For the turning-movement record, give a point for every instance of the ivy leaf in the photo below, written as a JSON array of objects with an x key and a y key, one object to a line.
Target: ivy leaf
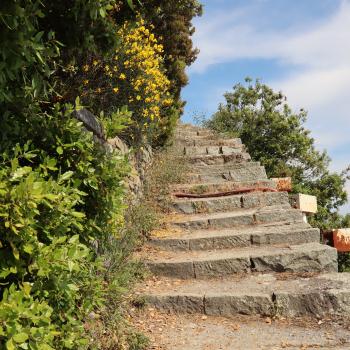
[
  {"x": 10, "y": 345},
  {"x": 15, "y": 251},
  {"x": 102, "y": 12},
  {"x": 20, "y": 337},
  {"x": 20, "y": 172},
  {"x": 64, "y": 177}
]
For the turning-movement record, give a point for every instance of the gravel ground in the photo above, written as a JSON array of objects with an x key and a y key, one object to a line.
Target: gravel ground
[{"x": 198, "y": 332}]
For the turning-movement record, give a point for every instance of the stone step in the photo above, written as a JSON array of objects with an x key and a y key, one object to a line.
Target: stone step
[
  {"x": 214, "y": 169},
  {"x": 228, "y": 174},
  {"x": 235, "y": 238},
  {"x": 211, "y": 150},
  {"x": 239, "y": 217},
  {"x": 187, "y": 126},
  {"x": 269, "y": 295},
  {"x": 207, "y": 141},
  {"x": 309, "y": 257},
  {"x": 224, "y": 187},
  {"x": 229, "y": 203},
  {"x": 246, "y": 171},
  {"x": 219, "y": 159},
  {"x": 188, "y": 133}
]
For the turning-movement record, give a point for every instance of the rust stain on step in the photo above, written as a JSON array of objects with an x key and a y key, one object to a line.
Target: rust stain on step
[{"x": 225, "y": 193}]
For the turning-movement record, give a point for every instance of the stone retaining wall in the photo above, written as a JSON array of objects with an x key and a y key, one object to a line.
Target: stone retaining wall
[{"x": 139, "y": 161}]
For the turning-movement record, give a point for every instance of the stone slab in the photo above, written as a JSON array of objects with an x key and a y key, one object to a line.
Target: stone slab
[
  {"x": 304, "y": 202},
  {"x": 206, "y": 189},
  {"x": 90, "y": 122},
  {"x": 220, "y": 159},
  {"x": 229, "y": 203},
  {"x": 310, "y": 257},
  {"x": 318, "y": 295},
  {"x": 235, "y": 218},
  {"x": 236, "y": 238}
]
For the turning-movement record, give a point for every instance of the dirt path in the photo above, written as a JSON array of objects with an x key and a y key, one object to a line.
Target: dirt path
[{"x": 198, "y": 332}]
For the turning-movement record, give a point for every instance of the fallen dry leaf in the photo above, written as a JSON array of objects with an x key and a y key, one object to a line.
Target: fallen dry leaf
[
  {"x": 236, "y": 327},
  {"x": 268, "y": 320}
]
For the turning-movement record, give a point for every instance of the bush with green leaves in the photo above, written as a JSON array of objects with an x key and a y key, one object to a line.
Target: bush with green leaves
[
  {"x": 56, "y": 203},
  {"x": 277, "y": 137}
]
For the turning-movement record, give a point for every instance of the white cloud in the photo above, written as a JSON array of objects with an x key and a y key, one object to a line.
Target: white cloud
[
  {"x": 318, "y": 87},
  {"x": 234, "y": 34},
  {"x": 325, "y": 94}
]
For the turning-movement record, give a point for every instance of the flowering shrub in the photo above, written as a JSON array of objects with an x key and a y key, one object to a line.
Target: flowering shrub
[{"x": 133, "y": 76}]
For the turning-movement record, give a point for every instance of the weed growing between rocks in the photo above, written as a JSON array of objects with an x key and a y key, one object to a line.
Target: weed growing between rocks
[{"x": 168, "y": 168}]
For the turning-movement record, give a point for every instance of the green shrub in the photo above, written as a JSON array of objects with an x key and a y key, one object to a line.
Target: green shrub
[
  {"x": 60, "y": 194},
  {"x": 25, "y": 321}
]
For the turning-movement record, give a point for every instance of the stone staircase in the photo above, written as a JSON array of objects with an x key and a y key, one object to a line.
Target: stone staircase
[{"x": 229, "y": 250}]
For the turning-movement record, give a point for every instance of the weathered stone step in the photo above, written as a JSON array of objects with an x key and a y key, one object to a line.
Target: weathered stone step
[
  {"x": 309, "y": 257},
  {"x": 239, "y": 217},
  {"x": 219, "y": 159},
  {"x": 224, "y": 187},
  {"x": 228, "y": 174},
  {"x": 187, "y": 126},
  {"x": 229, "y": 203},
  {"x": 247, "y": 171},
  {"x": 236, "y": 238},
  {"x": 207, "y": 141},
  {"x": 213, "y": 169},
  {"x": 188, "y": 133},
  {"x": 211, "y": 150},
  {"x": 319, "y": 296}
]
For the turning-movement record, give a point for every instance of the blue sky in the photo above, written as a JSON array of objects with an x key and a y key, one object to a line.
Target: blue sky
[{"x": 301, "y": 47}]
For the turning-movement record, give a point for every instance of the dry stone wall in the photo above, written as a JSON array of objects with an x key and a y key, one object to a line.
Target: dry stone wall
[{"x": 139, "y": 161}]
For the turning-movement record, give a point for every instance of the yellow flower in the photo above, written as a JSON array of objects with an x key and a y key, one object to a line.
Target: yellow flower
[
  {"x": 107, "y": 68},
  {"x": 98, "y": 90},
  {"x": 95, "y": 62},
  {"x": 141, "y": 59},
  {"x": 86, "y": 67},
  {"x": 86, "y": 81}
]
